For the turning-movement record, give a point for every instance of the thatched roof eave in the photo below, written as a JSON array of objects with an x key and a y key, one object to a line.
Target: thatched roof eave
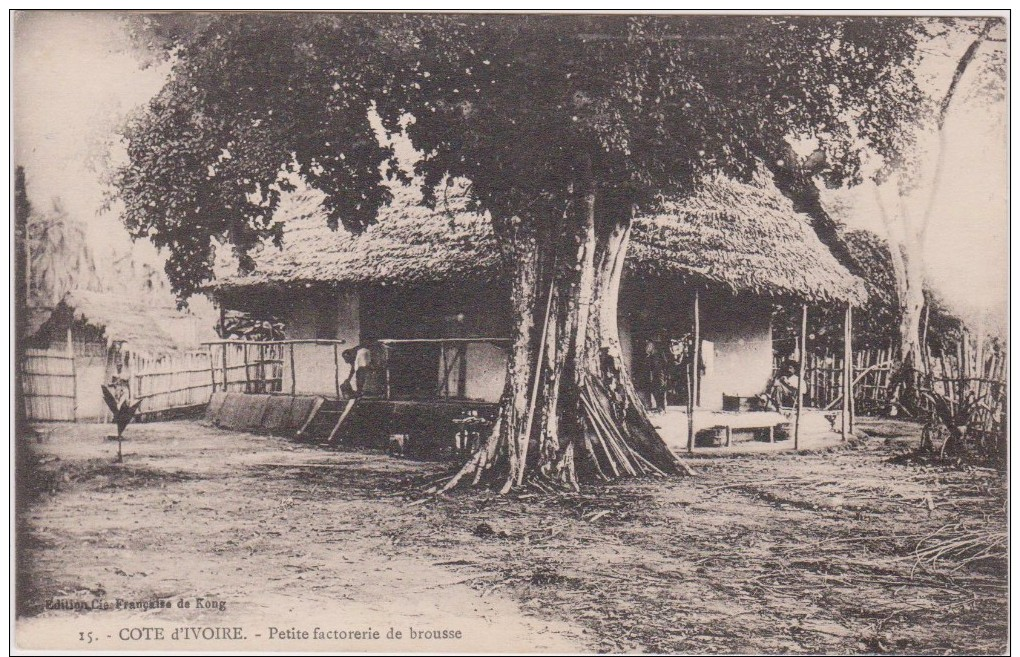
[{"x": 745, "y": 237}]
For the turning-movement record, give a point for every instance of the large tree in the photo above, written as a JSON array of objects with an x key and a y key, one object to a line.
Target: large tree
[{"x": 565, "y": 126}]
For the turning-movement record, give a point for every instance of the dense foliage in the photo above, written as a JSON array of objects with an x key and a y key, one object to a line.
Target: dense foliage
[{"x": 513, "y": 103}]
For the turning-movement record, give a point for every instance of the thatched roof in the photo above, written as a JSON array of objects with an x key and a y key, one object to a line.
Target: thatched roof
[
  {"x": 746, "y": 237},
  {"x": 870, "y": 253},
  {"x": 143, "y": 325},
  {"x": 410, "y": 244}
]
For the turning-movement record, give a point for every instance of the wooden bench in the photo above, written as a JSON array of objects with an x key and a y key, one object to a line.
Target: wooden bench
[{"x": 727, "y": 422}]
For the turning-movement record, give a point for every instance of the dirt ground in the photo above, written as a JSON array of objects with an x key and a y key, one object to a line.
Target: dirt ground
[{"x": 848, "y": 551}]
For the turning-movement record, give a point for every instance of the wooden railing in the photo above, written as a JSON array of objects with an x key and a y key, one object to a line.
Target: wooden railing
[
  {"x": 277, "y": 366},
  {"x": 418, "y": 368}
]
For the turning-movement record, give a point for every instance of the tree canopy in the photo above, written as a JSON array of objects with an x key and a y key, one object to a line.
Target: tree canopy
[{"x": 513, "y": 103}]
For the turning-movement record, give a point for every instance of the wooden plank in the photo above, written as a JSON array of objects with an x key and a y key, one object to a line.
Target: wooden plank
[
  {"x": 316, "y": 405},
  {"x": 323, "y": 341},
  {"x": 440, "y": 340}
]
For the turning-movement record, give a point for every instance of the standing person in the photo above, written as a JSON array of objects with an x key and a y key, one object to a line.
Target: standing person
[
  {"x": 682, "y": 352},
  {"x": 359, "y": 359},
  {"x": 656, "y": 367}
]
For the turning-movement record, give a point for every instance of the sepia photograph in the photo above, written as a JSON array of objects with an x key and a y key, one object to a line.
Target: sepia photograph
[{"x": 479, "y": 332}]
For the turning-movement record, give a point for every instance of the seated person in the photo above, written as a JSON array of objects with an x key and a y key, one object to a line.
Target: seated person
[{"x": 782, "y": 389}]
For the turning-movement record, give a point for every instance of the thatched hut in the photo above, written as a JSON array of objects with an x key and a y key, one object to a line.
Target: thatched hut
[
  {"x": 100, "y": 319},
  {"x": 423, "y": 274},
  {"x": 88, "y": 339}
]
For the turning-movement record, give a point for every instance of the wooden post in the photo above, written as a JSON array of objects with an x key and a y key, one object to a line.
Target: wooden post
[
  {"x": 386, "y": 351},
  {"x": 852, "y": 403},
  {"x": 444, "y": 385},
  {"x": 336, "y": 367},
  {"x": 696, "y": 357},
  {"x": 212, "y": 369},
  {"x": 693, "y": 384},
  {"x": 979, "y": 356},
  {"x": 462, "y": 371},
  {"x": 260, "y": 369},
  {"x": 224, "y": 359},
  {"x": 223, "y": 322},
  {"x": 74, "y": 373},
  {"x": 848, "y": 372},
  {"x": 800, "y": 376},
  {"x": 690, "y": 413},
  {"x": 293, "y": 372},
  {"x": 247, "y": 373}
]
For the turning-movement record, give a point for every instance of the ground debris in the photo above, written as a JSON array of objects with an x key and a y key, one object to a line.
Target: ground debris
[{"x": 841, "y": 552}]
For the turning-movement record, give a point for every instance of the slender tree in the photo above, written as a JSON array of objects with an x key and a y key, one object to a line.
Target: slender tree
[
  {"x": 61, "y": 259},
  {"x": 565, "y": 126},
  {"x": 906, "y": 189}
]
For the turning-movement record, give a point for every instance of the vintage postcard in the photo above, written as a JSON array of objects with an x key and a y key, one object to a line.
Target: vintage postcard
[{"x": 519, "y": 332}]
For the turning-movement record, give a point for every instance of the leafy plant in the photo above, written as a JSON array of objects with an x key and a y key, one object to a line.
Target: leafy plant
[{"x": 245, "y": 326}]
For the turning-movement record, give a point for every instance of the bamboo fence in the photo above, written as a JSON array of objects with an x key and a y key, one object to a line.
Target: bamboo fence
[
  {"x": 969, "y": 372},
  {"x": 976, "y": 375}
]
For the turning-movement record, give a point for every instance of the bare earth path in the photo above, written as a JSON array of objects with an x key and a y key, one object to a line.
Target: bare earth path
[{"x": 777, "y": 553}]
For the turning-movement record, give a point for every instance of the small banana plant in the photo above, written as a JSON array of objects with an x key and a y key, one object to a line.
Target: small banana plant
[{"x": 123, "y": 412}]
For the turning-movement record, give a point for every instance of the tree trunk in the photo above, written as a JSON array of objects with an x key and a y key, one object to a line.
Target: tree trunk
[
  {"x": 907, "y": 238},
  {"x": 576, "y": 417},
  {"x": 908, "y": 270},
  {"x": 906, "y": 251},
  {"x": 500, "y": 461}
]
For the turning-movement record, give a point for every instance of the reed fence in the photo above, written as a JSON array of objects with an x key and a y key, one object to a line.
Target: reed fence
[
  {"x": 48, "y": 385},
  {"x": 64, "y": 385},
  {"x": 170, "y": 383}
]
